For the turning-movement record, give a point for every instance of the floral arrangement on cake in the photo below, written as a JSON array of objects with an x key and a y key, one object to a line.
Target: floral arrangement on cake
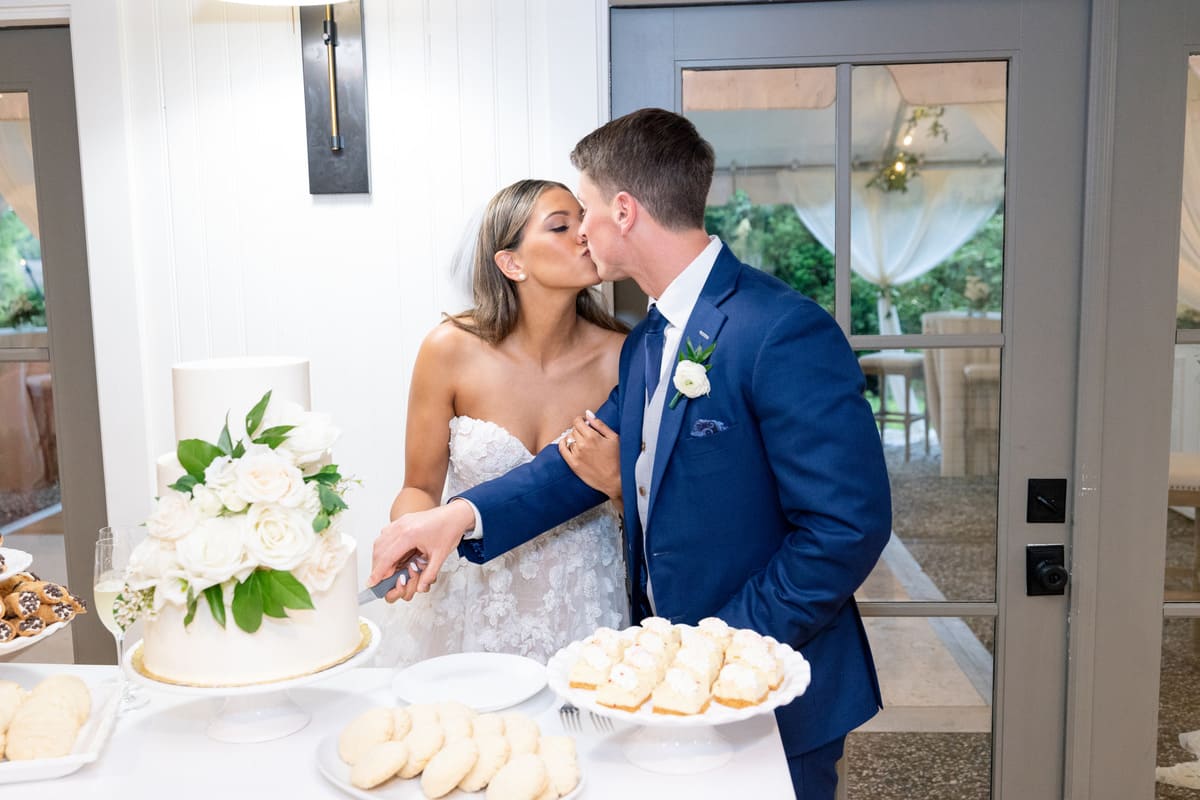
[{"x": 256, "y": 521}]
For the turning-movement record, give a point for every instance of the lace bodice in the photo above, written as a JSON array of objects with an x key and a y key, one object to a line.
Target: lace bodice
[{"x": 532, "y": 600}]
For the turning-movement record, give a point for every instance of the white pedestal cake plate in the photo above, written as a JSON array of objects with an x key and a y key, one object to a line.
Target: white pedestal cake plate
[
  {"x": 676, "y": 745},
  {"x": 260, "y": 712}
]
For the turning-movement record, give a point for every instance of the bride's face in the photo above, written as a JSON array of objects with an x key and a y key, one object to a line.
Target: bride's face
[{"x": 552, "y": 253}]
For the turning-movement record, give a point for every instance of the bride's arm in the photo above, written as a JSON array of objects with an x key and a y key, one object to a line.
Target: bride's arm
[{"x": 430, "y": 408}]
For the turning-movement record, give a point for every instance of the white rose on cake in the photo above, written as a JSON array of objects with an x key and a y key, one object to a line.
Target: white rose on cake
[
  {"x": 150, "y": 561},
  {"x": 207, "y": 502},
  {"x": 215, "y": 552},
  {"x": 173, "y": 516},
  {"x": 323, "y": 566},
  {"x": 278, "y": 537},
  {"x": 311, "y": 436},
  {"x": 264, "y": 476},
  {"x": 221, "y": 477}
]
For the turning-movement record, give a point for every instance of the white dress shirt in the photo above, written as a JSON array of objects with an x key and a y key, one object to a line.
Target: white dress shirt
[{"x": 675, "y": 304}]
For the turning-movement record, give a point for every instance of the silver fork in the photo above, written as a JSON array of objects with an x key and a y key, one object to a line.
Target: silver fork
[
  {"x": 603, "y": 724},
  {"x": 569, "y": 715}
]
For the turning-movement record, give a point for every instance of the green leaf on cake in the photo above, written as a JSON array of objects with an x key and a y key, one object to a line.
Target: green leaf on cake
[
  {"x": 224, "y": 442},
  {"x": 195, "y": 455},
  {"x": 330, "y": 502},
  {"x": 328, "y": 475},
  {"x": 184, "y": 484},
  {"x": 272, "y": 604},
  {"x": 320, "y": 522},
  {"x": 216, "y": 603},
  {"x": 273, "y": 437},
  {"x": 287, "y": 589},
  {"x": 191, "y": 607},
  {"x": 248, "y": 604},
  {"x": 255, "y": 417},
  {"x": 239, "y": 450}
]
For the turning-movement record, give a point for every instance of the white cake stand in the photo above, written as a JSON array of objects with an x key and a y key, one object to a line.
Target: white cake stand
[
  {"x": 260, "y": 712},
  {"x": 675, "y": 745}
]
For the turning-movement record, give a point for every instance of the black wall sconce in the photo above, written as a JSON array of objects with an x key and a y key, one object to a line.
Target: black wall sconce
[{"x": 335, "y": 96}]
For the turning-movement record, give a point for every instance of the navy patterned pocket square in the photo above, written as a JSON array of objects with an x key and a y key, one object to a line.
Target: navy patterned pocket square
[{"x": 707, "y": 427}]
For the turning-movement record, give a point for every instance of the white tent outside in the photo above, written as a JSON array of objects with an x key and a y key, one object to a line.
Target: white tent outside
[{"x": 773, "y": 131}]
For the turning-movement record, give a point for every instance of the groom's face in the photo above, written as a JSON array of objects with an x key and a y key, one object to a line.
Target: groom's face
[{"x": 600, "y": 230}]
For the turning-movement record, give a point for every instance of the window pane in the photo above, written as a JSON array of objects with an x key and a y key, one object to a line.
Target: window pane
[
  {"x": 933, "y": 738},
  {"x": 927, "y": 192},
  {"x": 773, "y": 134},
  {"x": 1188, "y": 308},
  {"x": 22, "y": 302},
  {"x": 942, "y": 457}
]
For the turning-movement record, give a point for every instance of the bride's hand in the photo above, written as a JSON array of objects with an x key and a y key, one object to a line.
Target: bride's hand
[
  {"x": 593, "y": 452},
  {"x": 431, "y": 535}
]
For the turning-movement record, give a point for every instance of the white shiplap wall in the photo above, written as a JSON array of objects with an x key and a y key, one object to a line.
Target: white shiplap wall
[{"x": 203, "y": 240}]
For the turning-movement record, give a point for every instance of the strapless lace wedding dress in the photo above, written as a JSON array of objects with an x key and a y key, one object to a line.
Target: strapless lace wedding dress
[{"x": 531, "y": 601}]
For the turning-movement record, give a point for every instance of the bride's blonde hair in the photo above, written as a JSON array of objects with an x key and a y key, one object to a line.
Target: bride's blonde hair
[{"x": 496, "y": 304}]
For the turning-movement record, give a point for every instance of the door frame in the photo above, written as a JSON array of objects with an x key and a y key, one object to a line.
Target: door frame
[
  {"x": 37, "y": 60},
  {"x": 1029, "y": 705}
]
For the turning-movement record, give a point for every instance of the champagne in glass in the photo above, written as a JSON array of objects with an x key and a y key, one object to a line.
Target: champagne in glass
[{"x": 113, "y": 548}]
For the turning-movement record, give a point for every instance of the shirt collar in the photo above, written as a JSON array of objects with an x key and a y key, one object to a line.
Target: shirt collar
[{"x": 680, "y": 296}]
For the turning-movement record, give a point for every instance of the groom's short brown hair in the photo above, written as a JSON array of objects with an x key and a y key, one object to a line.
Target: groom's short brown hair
[{"x": 658, "y": 157}]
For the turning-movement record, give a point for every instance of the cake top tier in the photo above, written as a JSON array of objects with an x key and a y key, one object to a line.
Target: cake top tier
[{"x": 206, "y": 391}]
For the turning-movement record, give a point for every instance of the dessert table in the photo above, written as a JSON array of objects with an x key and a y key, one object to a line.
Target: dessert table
[{"x": 161, "y": 750}]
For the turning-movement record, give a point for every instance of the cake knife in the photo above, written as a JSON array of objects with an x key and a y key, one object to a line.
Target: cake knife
[{"x": 380, "y": 589}]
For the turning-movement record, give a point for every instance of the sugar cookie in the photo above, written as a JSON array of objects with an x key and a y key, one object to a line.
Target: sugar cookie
[
  {"x": 11, "y": 695},
  {"x": 424, "y": 740},
  {"x": 423, "y": 712},
  {"x": 522, "y": 778},
  {"x": 378, "y": 764},
  {"x": 364, "y": 732},
  {"x": 488, "y": 723},
  {"x": 72, "y": 689},
  {"x": 401, "y": 722},
  {"x": 522, "y": 733},
  {"x": 40, "y": 730},
  {"x": 562, "y": 764},
  {"x": 493, "y": 754},
  {"x": 451, "y": 764}
]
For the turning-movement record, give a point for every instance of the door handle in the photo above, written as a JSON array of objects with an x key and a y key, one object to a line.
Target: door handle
[{"x": 1045, "y": 570}]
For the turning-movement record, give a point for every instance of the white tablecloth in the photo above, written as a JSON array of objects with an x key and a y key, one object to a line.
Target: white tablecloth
[
  {"x": 945, "y": 389},
  {"x": 161, "y": 752}
]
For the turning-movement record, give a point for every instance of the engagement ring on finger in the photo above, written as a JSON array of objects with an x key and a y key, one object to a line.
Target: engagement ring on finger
[{"x": 570, "y": 442}]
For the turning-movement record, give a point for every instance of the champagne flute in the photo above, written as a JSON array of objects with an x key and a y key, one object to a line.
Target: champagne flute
[{"x": 113, "y": 547}]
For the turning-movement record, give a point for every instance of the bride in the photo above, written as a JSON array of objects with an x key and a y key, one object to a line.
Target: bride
[{"x": 490, "y": 388}]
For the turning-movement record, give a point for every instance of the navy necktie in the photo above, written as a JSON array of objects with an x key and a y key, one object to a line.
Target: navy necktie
[{"x": 656, "y": 323}]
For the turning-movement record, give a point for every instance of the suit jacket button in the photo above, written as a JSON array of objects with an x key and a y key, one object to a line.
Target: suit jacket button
[{"x": 642, "y": 491}]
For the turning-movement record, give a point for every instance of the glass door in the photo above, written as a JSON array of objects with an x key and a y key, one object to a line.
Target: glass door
[
  {"x": 889, "y": 161},
  {"x": 51, "y": 477}
]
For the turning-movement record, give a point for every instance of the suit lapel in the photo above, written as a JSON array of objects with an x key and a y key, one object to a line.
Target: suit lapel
[{"x": 702, "y": 328}]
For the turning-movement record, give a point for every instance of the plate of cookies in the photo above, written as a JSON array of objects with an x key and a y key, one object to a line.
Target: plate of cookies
[
  {"x": 53, "y": 728},
  {"x": 433, "y": 750},
  {"x": 665, "y": 675},
  {"x": 32, "y": 609}
]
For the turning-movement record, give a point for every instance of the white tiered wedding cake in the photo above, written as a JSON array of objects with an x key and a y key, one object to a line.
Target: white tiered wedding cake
[{"x": 245, "y": 576}]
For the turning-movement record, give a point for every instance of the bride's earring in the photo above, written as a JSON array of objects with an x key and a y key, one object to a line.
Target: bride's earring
[{"x": 520, "y": 276}]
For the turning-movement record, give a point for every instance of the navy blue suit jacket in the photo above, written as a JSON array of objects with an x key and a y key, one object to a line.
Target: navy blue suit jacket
[{"x": 770, "y": 501}]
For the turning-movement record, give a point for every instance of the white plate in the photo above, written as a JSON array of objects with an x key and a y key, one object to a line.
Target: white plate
[
  {"x": 95, "y": 732},
  {"x": 21, "y": 642},
  {"x": 337, "y": 772},
  {"x": 483, "y": 681},
  {"x": 14, "y": 561},
  {"x": 796, "y": 675}
]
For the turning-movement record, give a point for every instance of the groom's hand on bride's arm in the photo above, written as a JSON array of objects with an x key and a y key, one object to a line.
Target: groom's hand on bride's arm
[{"x": 431, "y": 534}]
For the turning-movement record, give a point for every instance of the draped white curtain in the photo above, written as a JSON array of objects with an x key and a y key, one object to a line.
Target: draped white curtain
[
  {"x": 16, "y": 171},
  {"x": 896, "y": 237}
]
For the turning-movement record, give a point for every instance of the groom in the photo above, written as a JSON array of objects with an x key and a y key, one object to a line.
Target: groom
[{"x": 756, "y": 492}]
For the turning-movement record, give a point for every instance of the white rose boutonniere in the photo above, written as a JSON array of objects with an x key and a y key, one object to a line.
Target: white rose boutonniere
[{"x": 691, "y": 373}]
